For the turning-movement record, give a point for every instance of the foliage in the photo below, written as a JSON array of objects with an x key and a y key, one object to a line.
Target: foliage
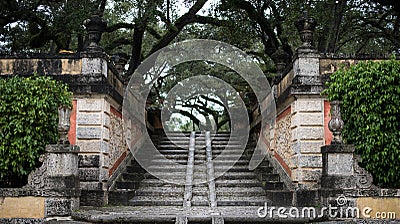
[
  {"x": 370, "y": 95},
  {"x": 28, "y": 121}
]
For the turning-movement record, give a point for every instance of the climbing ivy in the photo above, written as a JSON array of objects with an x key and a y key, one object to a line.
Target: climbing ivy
[
  {"x": 370, "y": 108},
  {"x": 28, "y": 121}
]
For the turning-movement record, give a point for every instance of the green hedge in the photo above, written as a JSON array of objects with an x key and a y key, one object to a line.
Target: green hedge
[
  {"x": 370, "y": 95},
  {"x": 28, "y": 121}
]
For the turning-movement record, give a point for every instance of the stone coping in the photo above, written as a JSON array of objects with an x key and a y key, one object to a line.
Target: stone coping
[
  {"x": 28, "y": 191},
  {"x": 337, "y": 148},
  {"x": 40, "y": 56},
  {"x": 62, "y": 148}
]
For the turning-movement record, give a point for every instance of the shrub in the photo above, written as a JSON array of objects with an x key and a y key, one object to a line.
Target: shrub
[
  {"x": 28, "y": 121},
  {"x": 370, "y": 96}
]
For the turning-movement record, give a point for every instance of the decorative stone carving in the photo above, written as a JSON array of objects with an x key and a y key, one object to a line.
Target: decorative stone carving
[
  {"x": 336, "y": 123},
  {"x": 306, "y": 26},
  {"x": 36, "y": 179},
  {"x": 95, "y": 27},
  {"x": 363, "y": 178},
  {"x": 64, "y": 113}
]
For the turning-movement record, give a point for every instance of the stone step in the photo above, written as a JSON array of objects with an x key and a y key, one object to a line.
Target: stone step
[
  {"x": 156, "y": 201},
  {"x": 240, "y": 191},
  {"x": 162, "y": 191},
  {"x": 269, "y": 177},
  {"x": 165, "y": 168},
  {"x": 241, "y": 201},
  {"x": 173, "y": 151},
  {"x": 171, "y": 157},
  {"x": 155, "y": 183},
  {"x": 237, "y": 183},
  {"x": 273, "y": 185},
  {"x": 280, "y": 197},
  {"x": 128, "y": 184},
  {"x": 200, "y": 200},
  {"x": 236, "y": 175}
]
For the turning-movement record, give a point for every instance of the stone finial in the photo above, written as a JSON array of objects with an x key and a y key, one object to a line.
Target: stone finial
[
  {"x": 95, "y": 26},
  {"x": 335, "y": 125},
  {"x": 306, "y": 26},
  {"x": 280, "y": 58},
  {"x": 64, "y": 113},
  {"x": 120, "y": 60}
]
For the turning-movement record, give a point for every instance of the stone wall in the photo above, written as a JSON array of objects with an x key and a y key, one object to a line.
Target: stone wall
[{"x": 96, "y": 120}]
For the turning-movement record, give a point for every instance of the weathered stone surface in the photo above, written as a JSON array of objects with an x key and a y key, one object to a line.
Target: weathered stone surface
[
  {"x": 22, "y": 207},
  {"x": 93, "y": 105},
  {"x": 106, "y": 134},
  {"x": 301, "y": 174},
  {"x": 340, "y": 164},
  {"x": 310, "y": 161},
  {"x": 89, "y": 174},
  {"x": 84, "y": 118},
  {"x": 94, "y": 66},
  {"x": 307, "y": 105},
  {"x": 57, "y": 207},
  {"x": 91, "y": 185},
  {"x": 93, "y": 198},
  {"x": 90, "y": 145},
  {"x": 89, "y": 160},
  {"x": 88, "y": 132},
  {"x": 307, "y": 146},
  {"x": 306, "y": 64},
  {"x": 106, "y": 120},
  {"x": 308, "y": 133},
  {"x": 307, "y": 119}
]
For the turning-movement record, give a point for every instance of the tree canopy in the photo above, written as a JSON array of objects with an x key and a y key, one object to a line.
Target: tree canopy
[{"x": 262, "y": 28}]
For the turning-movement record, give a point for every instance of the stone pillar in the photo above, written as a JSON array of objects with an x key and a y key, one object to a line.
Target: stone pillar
[
  {"x": 337, "y": 167},
  {"x": 93, "y": 135},
  {"x": 299, "y": 129},
  {"x": 58, "y": 180}
]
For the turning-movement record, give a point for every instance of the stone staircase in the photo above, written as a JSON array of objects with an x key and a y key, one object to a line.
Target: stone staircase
[{"x": 202, "y": 198}]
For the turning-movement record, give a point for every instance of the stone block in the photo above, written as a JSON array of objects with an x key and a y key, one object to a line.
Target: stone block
[
  {"x": 307, "y": 119},
  {"x": 89, "y": 160},
  {"x": 307, "y": 105},
  {"x": 84, "y": 118},
  {"x": 93, "y": 198},
  {"x": 105, "y": 161},
  {"x": 340, "y": 164},
  {"x": 388, "y": 208},
  {"x": 106, "y": 120},
  {"x": 306, "y": 64},
  {"x": 57, "y": 207},
  {"x": 88, "y": 132},
  {"x": 106, "y": 134},
  {"x": 91, "y": 185},
  {"x": 307, "y": 146},
  {"x": 105, "y": 147},
  {"x": 22, "y": 207},
  {"x": 92, "y": 105},
  {"x": 103, "y": 174},
  {"x": 92, "y": 66},
  {"x": 310, "y": 161},
  {"x": 89, "y": 145},
  {"x": 89, "y": 174},
  {"x": 306, "y": 174},
  {"x": 308, "y": 133}
]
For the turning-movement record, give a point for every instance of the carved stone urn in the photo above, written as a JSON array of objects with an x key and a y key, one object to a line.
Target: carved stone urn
[
  {"x": 64, "y": 113},
  {"x": 336, "y": 123},
  {"x": 306, "y": 26}
]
